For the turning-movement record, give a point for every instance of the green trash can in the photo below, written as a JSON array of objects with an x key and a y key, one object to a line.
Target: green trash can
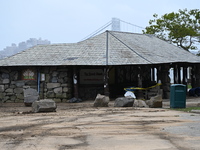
[{"x": 178, "y": 96}]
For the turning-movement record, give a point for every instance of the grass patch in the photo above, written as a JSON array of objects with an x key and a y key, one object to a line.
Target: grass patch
[
  {"x": 189, "y": 86},
  {"x": 186, "y": 109}
]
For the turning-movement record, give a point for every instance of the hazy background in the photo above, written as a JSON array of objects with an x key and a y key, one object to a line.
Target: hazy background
[{"x": 67, "y": 21}]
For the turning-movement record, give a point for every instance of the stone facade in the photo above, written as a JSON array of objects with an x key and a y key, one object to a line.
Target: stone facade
[
  {"x": 165, "y": 80},
  {"x": 57, "y": 84}
]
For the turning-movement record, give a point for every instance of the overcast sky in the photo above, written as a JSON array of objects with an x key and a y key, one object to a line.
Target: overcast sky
[{"x": 68, "y": 21}]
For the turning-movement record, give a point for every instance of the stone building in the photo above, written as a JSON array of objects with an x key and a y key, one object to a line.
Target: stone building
[{"x": 106, "y": 64}]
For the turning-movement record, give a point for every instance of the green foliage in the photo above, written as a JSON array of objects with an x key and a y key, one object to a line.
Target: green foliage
[
  {"x": 186, "y": 109},
  {"x": 181, "y": 28}
]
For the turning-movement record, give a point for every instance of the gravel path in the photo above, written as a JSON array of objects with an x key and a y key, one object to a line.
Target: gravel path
[{"x": 82, "y": 127}]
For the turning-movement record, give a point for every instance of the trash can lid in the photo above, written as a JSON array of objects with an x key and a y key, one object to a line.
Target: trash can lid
[{"x": 178, "y": 85}]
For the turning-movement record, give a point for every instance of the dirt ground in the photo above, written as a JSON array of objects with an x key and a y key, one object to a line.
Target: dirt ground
[{"x": 80, "y": 126}]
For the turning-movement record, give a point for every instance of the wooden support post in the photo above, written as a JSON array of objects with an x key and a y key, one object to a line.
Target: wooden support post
[
  {"x": 193, "y": 78},
  {"x": 185, "y": 75},
  {"x": 106, "y": 85},
  {"x": 179, "y": 75},
  {"x": 158, "y": 73},
  {"x": 140, "y": 94},
  {"x": 175, "y": 75},
  {"x": 152, "y": 74},
  {"x": 75, "y": 82}
]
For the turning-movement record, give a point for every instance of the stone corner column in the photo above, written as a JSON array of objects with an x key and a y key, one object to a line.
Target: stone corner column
[{"x": 165, "y": 80}]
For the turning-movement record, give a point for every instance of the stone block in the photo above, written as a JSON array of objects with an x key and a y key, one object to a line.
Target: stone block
[
  {"x": 2, "y": 95},
  {"x": 2, "y": 88},
  {"x": 10, "y": 94},
  {"x": 14, "y": 75},
  {"x": 44, "y": 105},
  {"x": 18, "y": 90},
  {"x": 12, "y": 86},
  {"x": 65, "y": 89},
  {"x": 5, "y": 81},
  {"x": 53, "y": 85},
  {"x": 54, "y": 79},
  {"x": 6, "y": 98},
  {"x": 64, "y": 95},
  {"x": 30, "y": 95},
  {"x": 67, "y": 80},
  {"x": 101, "y": 101},
  {"x": 30, "y": 92},
  {"x": 5, "y": 76},
  {"x": 55, "y": 73},
  {"x": 64, "y": 85},
  {"x": 59, "y": 95},
  {"x": 9, "y": 90},
  {"x": 63, "y": 74},
  {"x": 13, "y": 98},
  {"x": 50, "y": 94},
  {"x": 155, "y": 102},
  {"x": 13, "y": 82},
  {"x": 47, "y": 77},
  {"x": 20, "y": 96},
  {"x": 140, "y": 103},
  {"x": 60, "y": 80},
  {"x": 19, "y": 83},
  {"x": 6, "y": 86},
  {"x": 58, "y": 90},
  {"x": 124, "y": 102}
]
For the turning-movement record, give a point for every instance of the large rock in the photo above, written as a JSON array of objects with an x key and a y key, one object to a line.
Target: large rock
[
  {"x": 140, "y": 103},
  {"x": 101, "y": 101},
  {"x": 30, "y": 95},
  {"x": 155, "y": 102},
  {"x": 123, "y": 102},
  {"x": 44, "y": 105}
]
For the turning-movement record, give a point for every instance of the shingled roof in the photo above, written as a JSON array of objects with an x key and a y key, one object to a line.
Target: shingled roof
[{"x": 107, "y": 48}]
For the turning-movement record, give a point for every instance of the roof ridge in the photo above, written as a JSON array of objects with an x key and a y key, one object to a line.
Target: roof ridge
[{"x": 129, "y": 47}]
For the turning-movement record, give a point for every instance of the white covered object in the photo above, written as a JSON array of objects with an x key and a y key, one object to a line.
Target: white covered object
[{"x": 129, "y": 94}]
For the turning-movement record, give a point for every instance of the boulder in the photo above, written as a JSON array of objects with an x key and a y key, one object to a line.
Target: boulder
[
  {"x": 140, "y": 103},
  {"x": 101, "y": 101},
  {"x": 124, "y": 102},
  {"x": 155, "y": 102},
  {"x": 30, "y": 95},
  {"x": 44, "y": 105}
]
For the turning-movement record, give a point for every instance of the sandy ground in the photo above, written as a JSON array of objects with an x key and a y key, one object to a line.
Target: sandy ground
[{"x": 80, "y": 126}]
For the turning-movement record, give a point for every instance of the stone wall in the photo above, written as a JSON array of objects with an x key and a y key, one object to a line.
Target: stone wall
[
  {"x": 57, "y": 84},
  {"x": 165, "y": 80}
]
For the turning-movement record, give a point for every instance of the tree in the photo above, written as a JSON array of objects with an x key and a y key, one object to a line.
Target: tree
[{"x": 181, "y": 28}]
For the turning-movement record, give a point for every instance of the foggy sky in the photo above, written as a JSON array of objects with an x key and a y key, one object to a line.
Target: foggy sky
[{"x": 68, "y": 21}]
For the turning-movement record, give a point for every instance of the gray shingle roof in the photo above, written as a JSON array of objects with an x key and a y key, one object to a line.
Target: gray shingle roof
[{"x": 107, "y": 48}]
